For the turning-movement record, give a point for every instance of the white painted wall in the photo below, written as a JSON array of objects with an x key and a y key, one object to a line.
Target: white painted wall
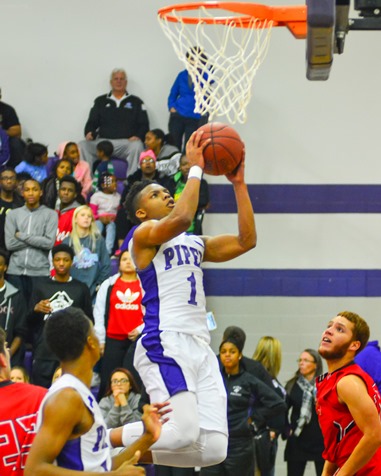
[{"x": 56, "y": 59}]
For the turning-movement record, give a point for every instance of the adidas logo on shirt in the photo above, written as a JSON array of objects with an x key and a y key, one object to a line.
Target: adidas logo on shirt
[{"x": 127, "y": 300}]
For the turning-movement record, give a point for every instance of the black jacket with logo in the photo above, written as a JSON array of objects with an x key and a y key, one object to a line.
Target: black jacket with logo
[
  {"x": 249, "y": 399},
  {"x": 110, "y": 121}
]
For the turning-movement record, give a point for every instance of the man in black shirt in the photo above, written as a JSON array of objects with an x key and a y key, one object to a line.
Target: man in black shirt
[
  {"x": 119, "y": 117},
  {"x": 51, "y": 295}
]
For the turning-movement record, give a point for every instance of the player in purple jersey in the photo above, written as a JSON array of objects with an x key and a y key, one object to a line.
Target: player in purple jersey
[{"x": 173, "y": 356}]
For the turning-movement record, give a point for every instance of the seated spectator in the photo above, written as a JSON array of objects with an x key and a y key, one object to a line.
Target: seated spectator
[
  {"x": 12, "y": 314},
  {"x": 19, "y": 374},
  {"x": 69, "y": 195},
  {"x": 21, "y": 177},
  {"x": 82, "y": 174},
  {"x": 118, "y": 316},
  {"x": 30, "y": 233},
  {"x": 146, "y": 171},
  {"x": 91, "y": 263},
  {"x": 51, "y": 295},
  {"x": 51, "y": 184},
  {"x": 9, "y": 198},
  {"x": 103, "y": 164},
  {"x": 176, "y": 188},
  {"x": 120, "y": 405},
  {"x": 183, "y": 121},
  {"x": 9, "y": 122},
  {"x": 167, "y": 154},
  {"x": 120, "y": 118},
  {"x": 106, "y": 203},
  {"x": 35, "y": 160}
]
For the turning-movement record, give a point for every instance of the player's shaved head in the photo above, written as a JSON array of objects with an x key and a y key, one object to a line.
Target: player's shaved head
[{"x": 66, "y": 333}]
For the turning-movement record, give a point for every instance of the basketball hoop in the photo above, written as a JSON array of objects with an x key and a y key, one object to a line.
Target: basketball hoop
[{"x": 222, "y": 52}]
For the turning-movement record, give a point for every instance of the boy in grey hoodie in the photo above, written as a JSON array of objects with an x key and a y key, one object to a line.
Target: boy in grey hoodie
[{"x": 30, "y": 233}]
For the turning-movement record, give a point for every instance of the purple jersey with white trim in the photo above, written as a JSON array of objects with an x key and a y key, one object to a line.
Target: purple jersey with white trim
[
  {"x": 174, "y": 296},
  {"x": 89, "y": 452}
]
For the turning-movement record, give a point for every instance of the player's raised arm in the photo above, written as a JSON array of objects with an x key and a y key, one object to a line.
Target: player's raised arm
[
  {"x": 161, "y": 219},
  {"x": 226, "y": 247}
]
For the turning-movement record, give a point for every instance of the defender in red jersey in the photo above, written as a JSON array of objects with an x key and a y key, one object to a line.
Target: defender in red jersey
[
  {"x": 348, "y": 402},
  {"x": 18, "y": 411}
]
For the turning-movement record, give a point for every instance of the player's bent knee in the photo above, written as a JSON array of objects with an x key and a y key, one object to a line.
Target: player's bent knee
[
  {"x": 184, "y": 435},
  {"x": 182, "y": 442},
  {"x": 216, "y": 449},
  {"x": 184, "y": 425}
]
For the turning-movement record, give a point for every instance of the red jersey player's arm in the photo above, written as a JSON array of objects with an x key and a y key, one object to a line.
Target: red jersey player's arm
[
  {"x": 329, "y": 469},
  {"x": 353, "y": 393}
]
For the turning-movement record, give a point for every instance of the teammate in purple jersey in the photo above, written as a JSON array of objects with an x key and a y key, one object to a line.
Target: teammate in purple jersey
[{"x": 72, "y": 437}]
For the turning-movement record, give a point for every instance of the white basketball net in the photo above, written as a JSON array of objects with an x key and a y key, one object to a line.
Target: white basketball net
[{"x": 223, "y": 83}]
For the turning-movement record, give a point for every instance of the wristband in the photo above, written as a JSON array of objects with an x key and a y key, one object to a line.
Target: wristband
[{"x": 195, "y": 172}]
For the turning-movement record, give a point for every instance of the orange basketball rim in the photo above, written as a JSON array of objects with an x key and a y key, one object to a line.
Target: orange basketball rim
[{"x": 293, "y": 17}]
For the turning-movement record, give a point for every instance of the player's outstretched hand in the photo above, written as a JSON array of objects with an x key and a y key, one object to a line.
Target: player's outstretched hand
[
  {"x": 153, "y": 418},
  {"x": 128, "y": 468},
  {"x": 238, "y": 174},
  {"x": 194, "y": 149},
  {"x": 163, "y": 409}
]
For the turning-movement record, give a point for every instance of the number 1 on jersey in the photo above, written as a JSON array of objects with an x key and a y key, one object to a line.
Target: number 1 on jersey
[{"x": 192, "y": 299}]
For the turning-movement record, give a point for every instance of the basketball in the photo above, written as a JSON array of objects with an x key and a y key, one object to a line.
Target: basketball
[{"x": 224, "y": 152}]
